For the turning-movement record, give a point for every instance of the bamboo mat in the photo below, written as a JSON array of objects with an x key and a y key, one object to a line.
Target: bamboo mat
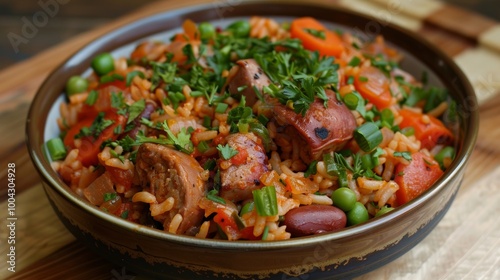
[{"x": 465, "y": 245}]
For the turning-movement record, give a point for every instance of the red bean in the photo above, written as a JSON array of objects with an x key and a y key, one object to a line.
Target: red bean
[{"x": 314, "y": 219}]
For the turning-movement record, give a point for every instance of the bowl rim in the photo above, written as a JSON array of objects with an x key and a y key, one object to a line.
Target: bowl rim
[{"x": 35, "y": 141}]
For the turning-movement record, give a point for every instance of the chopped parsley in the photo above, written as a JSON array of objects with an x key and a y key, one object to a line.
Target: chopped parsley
[
  {"x": 316, "y": 33},
  {"x": 135, "y": 110},
  {"x": 97, "y": 127},
  {"x": 131, "y": 75},
  {"x": 311, "y": 169},
  {"x": 226, "y": 151},
  {"x": 109, "y": 196},
  {"x": 405, "y": 155}
]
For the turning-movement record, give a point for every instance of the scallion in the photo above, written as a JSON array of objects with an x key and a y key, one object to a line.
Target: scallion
[
  {"x": 311, "y": 169},
  {"x": 261, "y": 131},
  {"x": 221, "y": 108},
  {"x": 196, "y": 93},
  {"x": 92, "y": 98},
  {"x": 213, "y": 196},
  {"x": 237, "y": 219},
  {"x": 408, "y": 131},
  {"x": 56, "y": 148},
  {"x": 247, "y": 208},
  {"x": 368, "y": 136},
  {"x": 202, "y": 147},
  {"x": 351, "y": 100},
  {"x": 265, "y": 201},
  {"x": 446, "y": 152},
  {"x": 366, "y": 161},
  {"x": 355, "y": 61},
  {"x": 207, "y": 122},
  {"x": 387, "y": 118},
  {"x": 265, "y": 234},
  {"x": 209, "y": 164},
  {"x": 363, "y": 79},
  {"x": 350, "y": 80}
]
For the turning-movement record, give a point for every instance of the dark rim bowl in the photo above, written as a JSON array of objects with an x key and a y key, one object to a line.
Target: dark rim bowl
[{"x": 346, "y": 253}]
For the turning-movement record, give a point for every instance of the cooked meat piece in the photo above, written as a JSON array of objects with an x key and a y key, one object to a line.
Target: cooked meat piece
[
  {"x": 249, "y": 74},
  {"x": 323, "y": 129},
  {"x": 165, "y": 173},
  {"x": 243, "y": 175}
]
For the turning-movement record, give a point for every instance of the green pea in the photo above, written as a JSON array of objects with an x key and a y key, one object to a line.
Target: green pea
[
  {"x": 240, "y": 29},
  {"x": 357, "y": 215},
  {"x": 344, "y": 198},
  {"x": 103, "y": 64},
  {"x": 383, "y": 210},
  {"x": 207, "y": 30},
  {"x": 76, "y": 84},
  {"x": 446, "y": 152}
]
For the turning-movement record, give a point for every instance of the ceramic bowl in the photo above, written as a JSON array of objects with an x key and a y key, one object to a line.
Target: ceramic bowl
[{"x": 343, "y": 254}]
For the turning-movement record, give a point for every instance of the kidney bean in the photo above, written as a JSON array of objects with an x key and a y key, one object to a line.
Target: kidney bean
[{"x": 314, "y": 219}]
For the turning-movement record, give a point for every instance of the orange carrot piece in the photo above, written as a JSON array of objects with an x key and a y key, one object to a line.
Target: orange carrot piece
[
  {"x": 415, "y": 178},
  {"x": 373, "y": 85},
  {"x": 428, "y": 129},
  {"x": 331, "y": 45}
]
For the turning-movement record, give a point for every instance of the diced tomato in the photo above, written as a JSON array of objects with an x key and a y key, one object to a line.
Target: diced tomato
[
  {"x": 227, "y": 224},
  {"x": 219, "y": 139},
  {"x": 116, "y": 83},
  {"x": 241, "y": 157},
  {"x": 69, "y": 138},
  {"x": 122, "y": 177},
  {"x": 429, "y": 133},
  {"x": 142, "y": 50},
  {"x": 247, "y": 234},
  {"x": 103, "y": 102},
  {"x": 415, "y": 178},
  {"x": 90, "y": 147},
  {"x": 330, "y": 45},
  {"x": 373, "y": 85},
  {"x": 125, "y": 211}
]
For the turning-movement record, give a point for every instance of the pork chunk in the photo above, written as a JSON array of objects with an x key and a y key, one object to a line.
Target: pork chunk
[
  {"x": 323, "y": 129},
  {"x": 165, "y": 173},
  {"x": 249, "y": 74},
  {"x": 242, "y": 177}
]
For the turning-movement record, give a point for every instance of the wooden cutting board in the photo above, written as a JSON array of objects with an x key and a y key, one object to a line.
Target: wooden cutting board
[{"x": 465, "y": 245}]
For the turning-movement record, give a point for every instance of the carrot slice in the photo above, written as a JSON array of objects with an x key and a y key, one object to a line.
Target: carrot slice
[
  {"x": 429, "y": 130},
  {"x": 373, "y": 85},
  {"x": 330, "y": 45},
  {"x": 415, "y": 178}
]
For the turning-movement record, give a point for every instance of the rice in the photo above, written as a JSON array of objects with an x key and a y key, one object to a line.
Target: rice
[
  {"x": 145, "y": 197},
  {"x": 161, "y": 208},
  {"x": 175, "y": 223}
]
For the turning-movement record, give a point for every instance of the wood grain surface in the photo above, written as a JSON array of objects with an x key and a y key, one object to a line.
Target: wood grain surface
[{"x": 465, "y": 244}]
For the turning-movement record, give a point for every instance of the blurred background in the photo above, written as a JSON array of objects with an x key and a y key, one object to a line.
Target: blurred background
[{"x": 77, "y": 16}]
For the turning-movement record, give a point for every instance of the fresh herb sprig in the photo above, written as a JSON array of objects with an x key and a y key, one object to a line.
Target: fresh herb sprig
[{"x": 299, "y": 77}]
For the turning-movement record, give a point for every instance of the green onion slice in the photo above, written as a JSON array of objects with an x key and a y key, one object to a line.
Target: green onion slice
[
  {"x": 56, "y": 148},
  {"x": 213, "y": 196},
  {"x": 368, "y": 136},
  {"x": 265, "y": 201}
]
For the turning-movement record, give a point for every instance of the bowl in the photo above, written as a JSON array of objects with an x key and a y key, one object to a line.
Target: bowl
[{"x": 347, "y": 253}]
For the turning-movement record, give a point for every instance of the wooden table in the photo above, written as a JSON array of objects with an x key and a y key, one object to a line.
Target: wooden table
[{"x": 465, "y": 245}]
